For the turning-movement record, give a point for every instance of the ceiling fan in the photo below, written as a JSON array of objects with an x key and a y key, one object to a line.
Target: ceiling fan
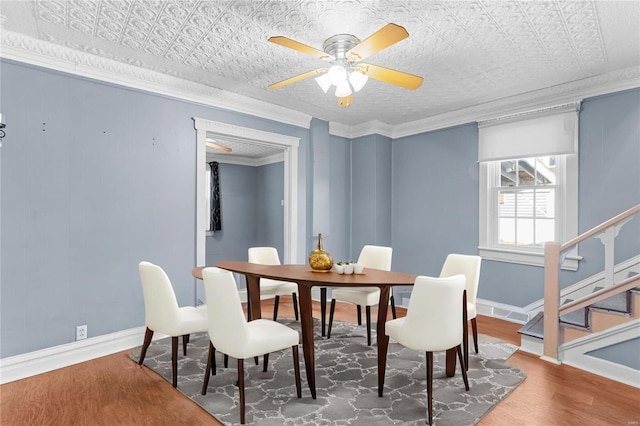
[
  {"x": 212, "y": 143},
  {"x": 344, "y": 52}
]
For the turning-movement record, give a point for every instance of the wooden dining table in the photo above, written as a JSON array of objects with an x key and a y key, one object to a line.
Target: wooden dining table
[{"x": 306, "y": 279}]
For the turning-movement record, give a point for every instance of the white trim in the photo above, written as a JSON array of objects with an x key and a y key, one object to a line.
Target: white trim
[
  {"x": 289, "y": 145},
  {"x": 566, "y": 222},
  {"x": 41, "y": 361},
  {"x": 574, "y": 353},
  {"x": 25, "y": 49},
  {"x": 29, "y": 50},
  {"x": 523, "y": 257},
  {"x": 245, "y": 161},
  {"x": 574, "y": 91}
]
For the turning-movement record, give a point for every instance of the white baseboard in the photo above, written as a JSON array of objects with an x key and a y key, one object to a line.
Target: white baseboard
[{"x": 44, "y": 360}]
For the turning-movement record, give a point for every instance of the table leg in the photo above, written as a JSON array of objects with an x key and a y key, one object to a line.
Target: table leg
[
  {"x": 306, "y": 323},
  {"x": 323, "y": 308},
  {"x": 382, "y": 338},
  {"x": 253, "y": 298}
]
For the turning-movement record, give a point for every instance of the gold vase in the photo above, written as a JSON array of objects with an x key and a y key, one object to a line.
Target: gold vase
[{"x": 320, "y": 260}]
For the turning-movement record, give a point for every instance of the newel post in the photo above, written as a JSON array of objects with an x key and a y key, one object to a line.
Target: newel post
[{"x": 551, "y": 301}]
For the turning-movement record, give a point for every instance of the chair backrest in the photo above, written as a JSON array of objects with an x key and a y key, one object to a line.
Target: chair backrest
[
  {"x": 376, "y": 257},
  {"x": 160, "y": 304},
  {"x": 434, "y": 314},
  {"x": 227, "y": 324},
  {"x": 467, "y": 265},
  {"x": 264, "y": 255}
]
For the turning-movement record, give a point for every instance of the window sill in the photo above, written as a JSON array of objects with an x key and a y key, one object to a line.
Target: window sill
[{"x": 531, "y": 258}]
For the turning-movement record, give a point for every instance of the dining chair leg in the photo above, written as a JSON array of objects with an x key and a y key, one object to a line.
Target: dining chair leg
[
  {"x": 265, "y": 361},
  {"x": 331, "y": 310},
  {"x": 174, "y": 360},
  {"x": 368, "y": 313},
  {"x": 148, "y": 334},
  {"x": 185, "y": 340},
  {"x": 295, "y": 306},
  {"x": 241, "y": 388},
  {"x": 359, "y": 315},
  {"x": 275, "y": 308},
  {"x": 207, "y": 371},
  {"x": 463, "y": 368},
  {"x": 393, "y": 305},
  {"x": 214, "y": 367},
  {"x": 474, "y": 327},
  {"x": 255, "y": 359},
  {"x": 296, "y": 369},
  {"x": 465, "y": 330},
  {"x": 430, "y": 386},
  {"x": 226, "y": 361}
]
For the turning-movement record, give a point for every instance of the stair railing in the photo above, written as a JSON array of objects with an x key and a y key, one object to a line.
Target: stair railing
[{"x": 607, "y": 233}]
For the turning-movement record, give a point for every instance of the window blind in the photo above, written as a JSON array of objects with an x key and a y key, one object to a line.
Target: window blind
[{"x": 552, "y": 131}]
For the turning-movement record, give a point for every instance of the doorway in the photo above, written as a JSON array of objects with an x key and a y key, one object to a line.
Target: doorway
[{"x": 288, "y": 145}]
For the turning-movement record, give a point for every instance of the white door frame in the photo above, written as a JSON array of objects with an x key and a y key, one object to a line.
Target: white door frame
[{"x": 288, "y": 144}]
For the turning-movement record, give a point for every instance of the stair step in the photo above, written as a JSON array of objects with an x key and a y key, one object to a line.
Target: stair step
[
  {"x": 617, "y": 303},
  {"x": 577, "y": 318},
  {"x": 534, "y": 327}
]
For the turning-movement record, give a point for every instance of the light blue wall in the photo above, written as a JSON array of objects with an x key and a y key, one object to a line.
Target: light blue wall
[
  {"x": 371, "y": 192},
  {"x": 625, "y": 353},
  {"x": 95, "y": 178},
  {"x": 339, "y": 242},
  {"x": 435, "y": 198},
  {"x": 269, "y": 215},
  {"x": 609, "y": 172}
]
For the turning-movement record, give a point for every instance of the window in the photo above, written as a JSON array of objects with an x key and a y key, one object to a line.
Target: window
[{"x": 529, "y": 199}]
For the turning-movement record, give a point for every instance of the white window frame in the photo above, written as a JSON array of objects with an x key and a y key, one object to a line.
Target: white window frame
[{"x": 566, "y": 219}]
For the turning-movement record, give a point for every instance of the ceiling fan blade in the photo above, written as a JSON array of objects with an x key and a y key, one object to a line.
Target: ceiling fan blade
[
  {"x": 215, "y": 145},
  {"x": 387, "y": 75},
  {"x": 386, "y": 36},
  {"x": 300, "y": 47},
  {"x": 297, "y": 78}
]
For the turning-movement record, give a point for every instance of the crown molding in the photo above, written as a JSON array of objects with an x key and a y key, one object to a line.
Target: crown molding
[
  {"x": 28, "y": 50},
  {"x": 25, "y": 49},
  {"x": 363, "y": 129},
  {"x": 572, "y": 92}
]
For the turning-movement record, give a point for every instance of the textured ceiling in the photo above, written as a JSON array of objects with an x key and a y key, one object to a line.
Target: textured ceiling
[{"x": 469, "y": 52}]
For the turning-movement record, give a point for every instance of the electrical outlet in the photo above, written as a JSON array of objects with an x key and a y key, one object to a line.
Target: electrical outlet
[{"x": 81, "y": 332}]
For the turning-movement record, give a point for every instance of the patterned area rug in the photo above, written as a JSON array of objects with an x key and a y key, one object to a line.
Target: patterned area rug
[{"x": 346, "y": 383}]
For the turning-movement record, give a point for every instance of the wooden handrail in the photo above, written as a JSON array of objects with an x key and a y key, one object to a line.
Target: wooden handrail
[
  {"x": 599, "y": 295},
  {"x": 552, "y": 308},
  {"x": 598, "y": 229}
]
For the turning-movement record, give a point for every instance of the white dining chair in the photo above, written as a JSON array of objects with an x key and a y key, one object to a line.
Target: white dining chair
[
  {"x": 269, "y": 287},
  {"x": 434, "y": 322},
  {"x": 373, "y": 257},
  {"x": 469, "y": 266},
  {"x": 231, "y": 334},
  {"x": 163, "y": 315}
]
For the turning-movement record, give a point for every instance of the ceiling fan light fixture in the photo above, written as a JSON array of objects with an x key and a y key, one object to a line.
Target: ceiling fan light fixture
[
  {"x": 337, "y": 75},
  {"x": 358, "y": 79},
  {"x": 324, "y": 82},
  {"x": 345, "y": 101},
  {"x": 343, "y": 89}
]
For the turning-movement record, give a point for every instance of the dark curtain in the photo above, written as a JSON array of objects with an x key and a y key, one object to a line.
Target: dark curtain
[{"x": 215, "y": 216}]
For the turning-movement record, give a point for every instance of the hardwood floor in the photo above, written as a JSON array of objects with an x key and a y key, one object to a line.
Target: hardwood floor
[{"x": 113, "y": 390}]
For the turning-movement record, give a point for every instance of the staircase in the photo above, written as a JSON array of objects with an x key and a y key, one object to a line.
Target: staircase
[
  {"x": 598, "y": 317},
  {"x": 568, "y": 330}
]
